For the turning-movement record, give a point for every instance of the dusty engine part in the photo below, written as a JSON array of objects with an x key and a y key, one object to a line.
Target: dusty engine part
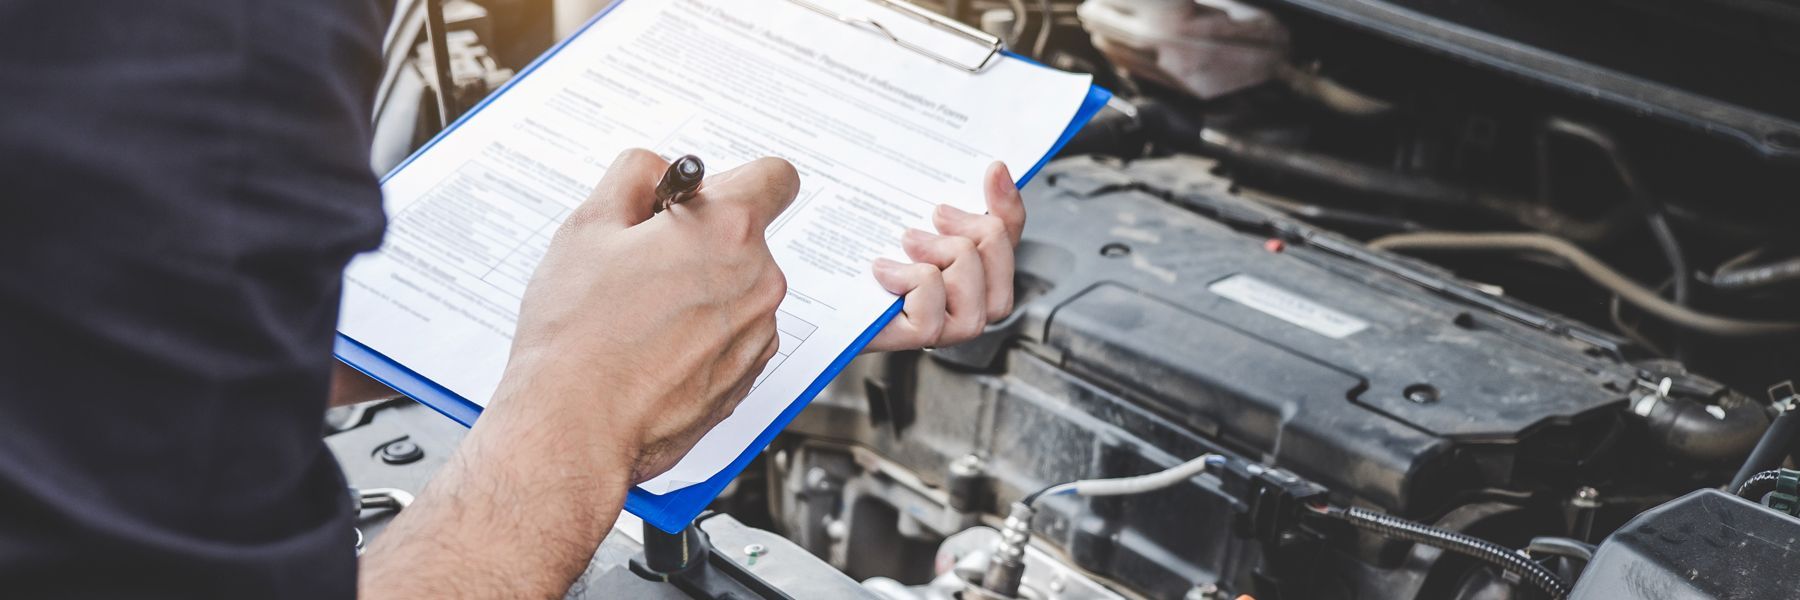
[
  {"x": 1161, "y": 318},
  {"x": 968, "y": 554},
  {"x": 1707, "y": 544}
]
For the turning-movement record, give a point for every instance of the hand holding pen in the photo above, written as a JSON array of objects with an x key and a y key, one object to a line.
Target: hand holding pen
[{"x": 679, "y": 182}]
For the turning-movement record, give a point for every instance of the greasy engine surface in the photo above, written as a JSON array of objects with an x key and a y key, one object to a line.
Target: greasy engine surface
[{"x": 1146, "y": 334}]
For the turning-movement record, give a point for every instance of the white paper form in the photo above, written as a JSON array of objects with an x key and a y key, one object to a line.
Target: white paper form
[{"x": 880, "y": 135}]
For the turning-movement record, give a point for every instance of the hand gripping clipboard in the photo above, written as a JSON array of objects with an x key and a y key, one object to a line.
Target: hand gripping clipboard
[{"x": 673, "y": 511}]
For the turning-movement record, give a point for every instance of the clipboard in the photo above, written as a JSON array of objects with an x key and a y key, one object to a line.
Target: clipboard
[{"x": 673, "y": 511}]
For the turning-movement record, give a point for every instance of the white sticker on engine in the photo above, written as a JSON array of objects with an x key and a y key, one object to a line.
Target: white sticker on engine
[{"x": 1288, "y": 306}]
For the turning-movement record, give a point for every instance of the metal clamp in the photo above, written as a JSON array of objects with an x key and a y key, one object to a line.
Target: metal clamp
[
  {"x": 1783, "y": 397},
  {"x": 990, "y": 41}
]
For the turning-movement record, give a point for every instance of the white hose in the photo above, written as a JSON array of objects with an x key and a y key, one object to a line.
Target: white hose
[{"x": 1124, "y": 486}]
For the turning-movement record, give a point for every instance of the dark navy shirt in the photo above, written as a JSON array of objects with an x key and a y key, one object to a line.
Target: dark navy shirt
[{"x": 181, "y": 185}]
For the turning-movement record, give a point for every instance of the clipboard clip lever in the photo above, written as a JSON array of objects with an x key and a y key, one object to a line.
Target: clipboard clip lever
[{"x": 991, "y": 42}]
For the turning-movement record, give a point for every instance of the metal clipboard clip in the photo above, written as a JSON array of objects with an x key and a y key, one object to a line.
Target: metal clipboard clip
[{"x": 991, "y": 42}]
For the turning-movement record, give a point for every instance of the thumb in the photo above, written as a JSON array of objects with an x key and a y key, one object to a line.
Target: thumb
[
  {"x": 1004, "y": 201},
  {"x": 626, "y": 195},
  {"x": 760, "y": 190}
]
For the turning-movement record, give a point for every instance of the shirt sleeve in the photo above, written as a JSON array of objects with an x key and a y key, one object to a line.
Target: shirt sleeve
[{"x": 181, "y": 185}]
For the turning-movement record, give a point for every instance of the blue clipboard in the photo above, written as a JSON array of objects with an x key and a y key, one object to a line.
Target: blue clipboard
[{"x": 672, "y": 511}]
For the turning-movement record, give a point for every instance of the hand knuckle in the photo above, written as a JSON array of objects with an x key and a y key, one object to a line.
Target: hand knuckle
[
  {"x": 999, "y": 308},
  {"x": 773, "y": 277},
  {"x": 774, "y": 290},
  {"x": 934, "y": 328},
  {"x": 917, "y": 271},
  {"x": 782, "y": 175},
  {"x": 973, "y": 326},
  {"x": 636, "y": 154},
  {"x": 961, "y": 246},
  {"x": 990, "y": 226}
]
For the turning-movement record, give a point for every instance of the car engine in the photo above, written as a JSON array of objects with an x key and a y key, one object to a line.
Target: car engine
[{"x": 1340, "y": 299}]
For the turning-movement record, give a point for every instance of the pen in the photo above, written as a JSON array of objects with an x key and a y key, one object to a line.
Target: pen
[{"x": 679, "y": 182}]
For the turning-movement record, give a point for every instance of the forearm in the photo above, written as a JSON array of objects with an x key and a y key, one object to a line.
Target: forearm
[{"x": 516, "y": 513}]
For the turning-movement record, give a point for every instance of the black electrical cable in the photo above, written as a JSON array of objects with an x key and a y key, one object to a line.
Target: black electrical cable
[
  {"x": 1776, "y": 441},
  {"x": 1757, "y": 486},
  {"x": 1419, "y": 533}
]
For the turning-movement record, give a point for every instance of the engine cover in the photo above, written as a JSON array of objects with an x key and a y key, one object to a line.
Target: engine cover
[
  {"x": 1344, "y": 373},
  {"x": 1146, "y": 333}
]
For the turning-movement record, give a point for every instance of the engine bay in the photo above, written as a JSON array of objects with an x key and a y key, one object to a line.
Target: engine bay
[{"x": 1341, "y": 299}]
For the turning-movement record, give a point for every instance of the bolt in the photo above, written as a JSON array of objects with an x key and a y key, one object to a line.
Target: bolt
[
  {"x": 1421, "y": 394},
  {"x": 400, "y": 452},
  {"x": 1057, "y": 584},
  {"x": 754, "y": 551}
]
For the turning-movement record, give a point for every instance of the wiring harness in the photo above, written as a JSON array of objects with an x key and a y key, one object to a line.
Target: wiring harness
[
  {"x": 1272, "y": 497},
  {"x": 1506, "y": 559}
]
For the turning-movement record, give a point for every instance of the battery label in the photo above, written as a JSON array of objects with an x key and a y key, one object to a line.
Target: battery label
[{"x": 1288, "y": 306}]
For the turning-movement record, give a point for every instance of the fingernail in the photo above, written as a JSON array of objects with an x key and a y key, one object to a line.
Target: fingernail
[
  {"x": 948, "y": 211},
  {"x": 885, "y": 266}
]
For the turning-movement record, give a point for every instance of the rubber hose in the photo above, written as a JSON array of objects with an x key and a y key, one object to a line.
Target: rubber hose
[
  {"x": 1775, "y": 443},
  {"x": 1688, "y": 429},
  {"x": 1419, "y": 533},
  {"x": 1630, "y": 291},
  {"x": 1750, "y": 278}
]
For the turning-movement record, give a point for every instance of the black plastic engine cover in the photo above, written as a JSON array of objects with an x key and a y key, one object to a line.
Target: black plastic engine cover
[
  {"x": 1341, "y": 372},
  {"x": 1707, "y": 544}
]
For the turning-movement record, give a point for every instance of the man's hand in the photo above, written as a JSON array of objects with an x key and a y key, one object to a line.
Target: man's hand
[
  {"x": 963, "y": 279},
  {"x": 650, "y": 331},
  {"x": 636, "y": 336}
]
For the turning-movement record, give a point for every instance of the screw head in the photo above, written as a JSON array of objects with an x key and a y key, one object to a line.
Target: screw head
[
  {"x": 755, "y": 550},
  {"x": 401, "y": 452}
]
